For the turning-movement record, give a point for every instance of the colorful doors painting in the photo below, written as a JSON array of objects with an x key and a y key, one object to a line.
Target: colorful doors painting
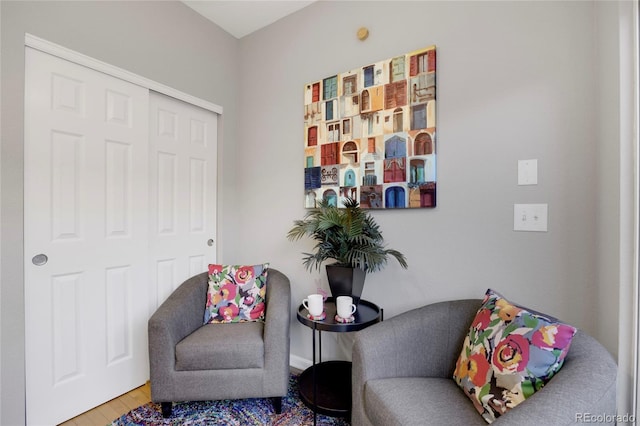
[{"x": 370, "y": 133}]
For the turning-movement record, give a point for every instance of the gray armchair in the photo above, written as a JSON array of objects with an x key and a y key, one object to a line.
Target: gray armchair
[
  {"x": 403, "y": 367},
  {"x": 190, "y": 361}
]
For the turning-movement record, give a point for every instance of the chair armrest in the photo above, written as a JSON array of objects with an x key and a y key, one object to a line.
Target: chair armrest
[
  {"x": 180, "y": 315},
  {"x": 277, "y": 318},
  {"x": 584, "y": 386},
  {"x": 276, "y": 334}
]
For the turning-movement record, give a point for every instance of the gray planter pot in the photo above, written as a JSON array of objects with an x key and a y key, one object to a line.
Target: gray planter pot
[{"x": 346, "y": 281}]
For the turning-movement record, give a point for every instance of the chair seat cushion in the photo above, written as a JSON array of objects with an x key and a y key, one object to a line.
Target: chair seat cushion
[
  {"x": 418, "y": 401},
  {"x": 222, "y": 346}
]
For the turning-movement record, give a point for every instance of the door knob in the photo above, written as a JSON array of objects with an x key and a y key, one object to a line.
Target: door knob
[
  {"x": 210, "y": 242},
  {"x": 40, "y": 259}
]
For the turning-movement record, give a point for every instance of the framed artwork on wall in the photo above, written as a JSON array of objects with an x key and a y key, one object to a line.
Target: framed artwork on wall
[{"x": 370, "y": 134}]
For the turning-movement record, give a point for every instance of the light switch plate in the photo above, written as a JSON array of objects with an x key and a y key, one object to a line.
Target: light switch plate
[
  {"x": 530, "y": 217},
  {"x": 527, "y": 172}
]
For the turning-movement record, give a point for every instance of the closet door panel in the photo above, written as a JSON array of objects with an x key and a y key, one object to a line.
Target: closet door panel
[
  {"x": 120, "y": 208},
  {"x": 183, "y": 203},
  {"x": 86, "y": 237}
]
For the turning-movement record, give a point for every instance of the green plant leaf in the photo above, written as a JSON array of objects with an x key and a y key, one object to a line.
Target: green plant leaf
[{"x": 348, "y": 235}]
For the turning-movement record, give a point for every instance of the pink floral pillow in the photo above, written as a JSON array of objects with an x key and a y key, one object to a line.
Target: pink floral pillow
[
  {"x": 509, "y": 353},
  {"x": 236, "y": 293}
]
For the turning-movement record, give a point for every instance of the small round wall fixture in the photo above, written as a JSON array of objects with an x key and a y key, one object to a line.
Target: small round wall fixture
[{"x": 363, "y": 33}]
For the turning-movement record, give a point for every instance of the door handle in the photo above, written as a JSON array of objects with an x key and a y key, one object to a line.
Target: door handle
[
  {"x": 210, "y": 242},
  {"x": 40, "y": 259}
]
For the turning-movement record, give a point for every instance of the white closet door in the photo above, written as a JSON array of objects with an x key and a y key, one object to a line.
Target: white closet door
[
  {"x": 183, "y": 170},
  {"x": 86, "y": 216}
]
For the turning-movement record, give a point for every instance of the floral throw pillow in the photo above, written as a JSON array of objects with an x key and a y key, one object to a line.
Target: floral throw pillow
[
  {"x": 509, "y": 353},
  {"x": 236, "y": 293}
]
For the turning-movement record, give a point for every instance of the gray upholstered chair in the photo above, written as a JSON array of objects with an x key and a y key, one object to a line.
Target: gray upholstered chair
[
  {"x": 403, "y": 367},
  {"x": 190, "y": 361}
]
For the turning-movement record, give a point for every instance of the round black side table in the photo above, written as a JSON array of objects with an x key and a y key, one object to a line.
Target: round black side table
[{"x": 325, "y": 387}]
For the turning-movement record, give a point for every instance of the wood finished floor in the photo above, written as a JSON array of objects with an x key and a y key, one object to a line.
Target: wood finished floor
[{"x": 110, "y": 411}]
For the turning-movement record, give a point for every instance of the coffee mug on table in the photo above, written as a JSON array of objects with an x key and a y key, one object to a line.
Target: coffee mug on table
[
  {"x": 345, "y": 306},
  {"x": 314, "y": 304}
]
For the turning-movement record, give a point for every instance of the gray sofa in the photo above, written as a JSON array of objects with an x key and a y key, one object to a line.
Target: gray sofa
[
  {"x": 190, "y": 361},
  {"x": 403, "y": 367}
]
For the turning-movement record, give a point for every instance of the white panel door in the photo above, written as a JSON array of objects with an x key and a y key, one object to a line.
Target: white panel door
[
  {"x": 86, "y": 208},
  {"x": 183, "y": 142}
]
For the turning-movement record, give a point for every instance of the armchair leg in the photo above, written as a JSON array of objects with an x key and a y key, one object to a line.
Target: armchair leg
[
  {"x": 167, "y": 409},
  {"x": 277, "y": 404}
]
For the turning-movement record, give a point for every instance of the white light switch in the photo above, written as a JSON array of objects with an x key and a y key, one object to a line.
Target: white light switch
[
  {"x": 527, "y": 172},
  {"x": 530, "y": 217}
]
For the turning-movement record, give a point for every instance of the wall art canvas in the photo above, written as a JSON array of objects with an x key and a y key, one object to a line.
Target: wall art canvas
[{"x": 370, "y": 134}]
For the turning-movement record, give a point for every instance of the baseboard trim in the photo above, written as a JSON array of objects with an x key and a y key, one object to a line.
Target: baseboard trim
[{"x": 299, "y": 363}]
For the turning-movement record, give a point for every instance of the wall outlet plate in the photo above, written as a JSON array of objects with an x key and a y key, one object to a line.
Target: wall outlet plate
[{"x": 527, "y": 172}]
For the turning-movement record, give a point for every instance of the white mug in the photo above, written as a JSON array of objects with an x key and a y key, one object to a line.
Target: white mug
[
  {"x": 314, "y": 304},
  {"x": 345, "y": 306}
]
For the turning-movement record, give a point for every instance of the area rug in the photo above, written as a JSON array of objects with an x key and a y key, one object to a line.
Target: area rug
[{"x": 244, "y": 412}]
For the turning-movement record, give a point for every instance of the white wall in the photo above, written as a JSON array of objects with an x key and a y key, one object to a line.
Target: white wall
[
  {"x": 516, "y": 80},
  {"x": 608, "y": 161},
  {"x": 163, "y": 41}
]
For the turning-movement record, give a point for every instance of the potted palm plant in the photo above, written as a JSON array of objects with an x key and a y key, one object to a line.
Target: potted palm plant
[{"x": 352, "y": 238}]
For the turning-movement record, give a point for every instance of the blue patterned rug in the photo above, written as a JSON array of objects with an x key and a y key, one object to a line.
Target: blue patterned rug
[{"x": 257, "y": 411}]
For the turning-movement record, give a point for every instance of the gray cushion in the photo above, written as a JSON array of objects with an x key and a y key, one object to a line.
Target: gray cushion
[
  {"x": 418, "y": 401},
  {"x": 222, "y": 346}
]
